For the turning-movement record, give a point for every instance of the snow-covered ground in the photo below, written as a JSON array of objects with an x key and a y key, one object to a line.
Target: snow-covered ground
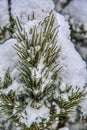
[{"x": 74, "y": 71}]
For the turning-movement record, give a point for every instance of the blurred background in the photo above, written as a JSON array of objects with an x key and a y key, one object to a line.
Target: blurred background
[{"x": 75, "y": 12}]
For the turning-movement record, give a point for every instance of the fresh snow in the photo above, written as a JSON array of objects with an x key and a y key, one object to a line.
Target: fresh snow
[
  {"x": 26, "y": 8},
  {"x": 74, "y": 68},
  {"x": 4, "y": 14},
  {"x": 8, "y": 56},
  {"x": 31, "y": 115}
]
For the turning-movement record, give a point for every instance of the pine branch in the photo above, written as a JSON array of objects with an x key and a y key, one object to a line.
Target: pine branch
[
  {"x": 41, "y": 48},
  {"x": 7, "y": 81}
]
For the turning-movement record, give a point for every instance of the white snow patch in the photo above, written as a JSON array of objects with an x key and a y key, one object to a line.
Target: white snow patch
[
  {"x": 34, "y": 115},
  {"x": 74, "y": 68},
  {"x": 4, "y": 15},
  {"x": 84, "y": 107},
  {"x": 64, "y": 128},
  {"x": 26, "y": 8},
  {"x": 8, "y": 56}
]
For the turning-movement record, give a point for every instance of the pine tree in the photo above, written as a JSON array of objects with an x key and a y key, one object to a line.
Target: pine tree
[{"x": 38, "y": 52}]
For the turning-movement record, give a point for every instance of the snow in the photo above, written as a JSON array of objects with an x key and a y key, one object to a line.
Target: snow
[
  {"x": 28, "y": 7},
  {"x": 79, "y": 13},
  {"x": 77, "y": 17},
  {"x": 33, "y": 115},
  {"x": 73, "y": 71},
  {"x": 4, "y": 16},
  {"x": 65, "y": 128},
  {"x": 74, "y": 68},
  {"x": 8, "y": 56}
]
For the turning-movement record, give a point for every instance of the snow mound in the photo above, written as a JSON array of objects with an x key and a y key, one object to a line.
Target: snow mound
[
  {"x": 8, "y": 56},
  {"x": 74, "y": 68},
  {"x": 28, "y": 7}
]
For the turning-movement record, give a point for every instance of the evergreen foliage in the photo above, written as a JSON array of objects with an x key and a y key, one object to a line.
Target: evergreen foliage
[
  {"x": 38, "y": 52},
  {"x": 7, "y": 81},
  {"x": 38, "y": 56},
  {"x": 3, "y": 31}
]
